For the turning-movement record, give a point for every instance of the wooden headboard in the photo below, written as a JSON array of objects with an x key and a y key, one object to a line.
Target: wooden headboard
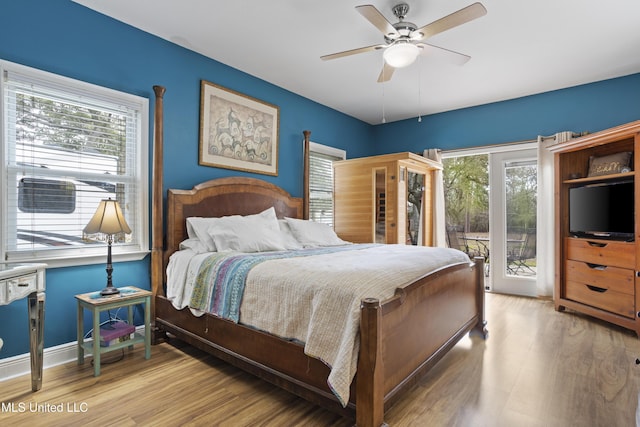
[{"x": 222, "y": 197}]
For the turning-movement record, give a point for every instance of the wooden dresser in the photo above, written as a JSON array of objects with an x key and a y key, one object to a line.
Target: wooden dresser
[
  {"x": 601, "y": 274},
  {"x": 385, "y": 199},
  {"x": 598, "y": 276}
]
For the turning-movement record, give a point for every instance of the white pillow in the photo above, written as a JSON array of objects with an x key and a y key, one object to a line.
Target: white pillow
[
  {"x": 198, "y": 227},
  {"x": 249, "y": 235},
  {"x": 289, "y": 240},
  {"x": 311, "y": 234},
  {"x": 194, "y": 244}
]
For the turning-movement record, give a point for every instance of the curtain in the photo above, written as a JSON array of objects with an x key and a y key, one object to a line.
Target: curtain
[
  {"x": 546, "y": 210},
  {"x": 439, "y": 234}
]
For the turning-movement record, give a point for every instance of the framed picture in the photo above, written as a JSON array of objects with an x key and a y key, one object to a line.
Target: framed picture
[{"x": 237, "y": 131}]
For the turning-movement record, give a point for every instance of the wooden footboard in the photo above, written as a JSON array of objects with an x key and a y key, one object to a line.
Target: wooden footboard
[
  {"x": 402, "y": 338},
  {"x": 425, "y": 320}
]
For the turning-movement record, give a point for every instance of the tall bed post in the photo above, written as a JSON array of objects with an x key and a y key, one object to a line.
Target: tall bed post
[
  {"x": 305, "y": 196},
  {"x": 480, "y": 328},
  {"x": 157, "y": 220},
  {"x": 370, "y": 379}
]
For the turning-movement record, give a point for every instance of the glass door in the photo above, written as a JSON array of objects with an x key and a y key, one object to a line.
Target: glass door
[
  {"x": 415, "y": 218},
  {"x": 466, "y": 192},
  {"x": 513, "y": 201}
]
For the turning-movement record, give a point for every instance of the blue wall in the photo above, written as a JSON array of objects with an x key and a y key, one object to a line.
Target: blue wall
[
  {"x": 591, "y": 108},
  {"x": 67, "y": 39}
]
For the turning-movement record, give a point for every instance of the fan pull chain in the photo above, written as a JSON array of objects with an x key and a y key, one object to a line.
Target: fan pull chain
[{"x": 419, "y": 90}]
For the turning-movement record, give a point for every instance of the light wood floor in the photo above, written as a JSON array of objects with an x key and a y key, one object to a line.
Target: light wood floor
[{"x": 538, "y": 368}]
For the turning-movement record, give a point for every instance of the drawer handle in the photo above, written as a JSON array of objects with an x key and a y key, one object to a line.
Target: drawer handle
[
  {"x": 597, "y": 244},
  {"x": 596, "y": 289},
  {"x": 596, "y": 266},
  {"x": 23, "y": 284}
]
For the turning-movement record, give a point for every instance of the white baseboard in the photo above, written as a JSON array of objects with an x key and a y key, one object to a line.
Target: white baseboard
[{"x": 19, "y": 365}]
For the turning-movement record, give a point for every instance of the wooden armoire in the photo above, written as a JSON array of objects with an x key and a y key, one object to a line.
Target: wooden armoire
[
  {"x": 598, "y": 273},
  {"x": 385, "y": 199}
]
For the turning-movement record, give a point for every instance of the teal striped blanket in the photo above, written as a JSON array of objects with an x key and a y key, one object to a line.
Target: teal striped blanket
[{"x": 221, "y": 278}]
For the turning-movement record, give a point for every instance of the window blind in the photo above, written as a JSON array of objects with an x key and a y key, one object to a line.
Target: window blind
[
  {"x": 65, "y": 149},
  {"x": 321, "y": 184}
]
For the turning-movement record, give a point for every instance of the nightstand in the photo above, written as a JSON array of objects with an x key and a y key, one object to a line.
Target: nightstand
[{"x": 128, "y": 297}]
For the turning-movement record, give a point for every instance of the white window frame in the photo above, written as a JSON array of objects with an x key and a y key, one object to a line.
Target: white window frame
[
  {"x": 94, "y": 253},
  {"x": 314, "y": 147}
]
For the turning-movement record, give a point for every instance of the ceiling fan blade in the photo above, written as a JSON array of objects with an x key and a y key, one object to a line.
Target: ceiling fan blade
[
  {"x": 352, "y": 52},
  {"x": 451, "y": 56},
  {"x": 386, "y": 73},
  {"x": 462, "y": 16},
  {"x": 378, "y": 20}
]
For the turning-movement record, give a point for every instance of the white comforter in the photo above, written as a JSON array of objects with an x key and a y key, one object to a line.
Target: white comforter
[{"x": 316, "y": 299}]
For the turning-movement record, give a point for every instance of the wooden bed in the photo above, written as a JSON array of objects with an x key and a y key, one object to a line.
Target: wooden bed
[{"x": 400, "y": 338}]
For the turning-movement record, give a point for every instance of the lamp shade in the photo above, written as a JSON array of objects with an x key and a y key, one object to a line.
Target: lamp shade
[
  {"x": 401, "y": 54},
  {"x": 108, "y": 219}
]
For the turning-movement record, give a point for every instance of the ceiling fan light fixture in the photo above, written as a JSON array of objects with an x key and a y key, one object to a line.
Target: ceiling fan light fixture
[{"x": 401, "y": 54}]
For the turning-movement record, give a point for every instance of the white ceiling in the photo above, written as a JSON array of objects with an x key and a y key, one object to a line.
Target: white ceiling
[{"x": 521, "y": 47}]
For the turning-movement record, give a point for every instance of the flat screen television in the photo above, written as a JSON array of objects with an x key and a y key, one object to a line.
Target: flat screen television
[{"x": 604, "y": 211}]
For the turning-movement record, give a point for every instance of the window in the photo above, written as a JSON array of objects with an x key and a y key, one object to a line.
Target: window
[
  {"x": 66, "y": 145},
  {"x": 321, "y": 158}
]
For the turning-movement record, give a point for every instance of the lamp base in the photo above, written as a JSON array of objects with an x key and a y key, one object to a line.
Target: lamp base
[{"x": 109, "y": 290}]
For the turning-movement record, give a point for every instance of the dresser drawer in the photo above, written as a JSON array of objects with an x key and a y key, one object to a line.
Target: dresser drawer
[
  {"x": 603, "y": 252},
  {"x": 17, "y": 287},
  {"x": 605, "y": 299},
  {"x": 611, "y": 278}
]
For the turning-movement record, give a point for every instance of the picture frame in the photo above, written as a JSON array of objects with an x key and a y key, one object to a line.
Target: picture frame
[{"x": 237, "y": 131}]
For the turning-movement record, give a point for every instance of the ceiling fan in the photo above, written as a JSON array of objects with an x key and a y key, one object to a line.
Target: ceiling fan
[{"x": 403, "y": 40}]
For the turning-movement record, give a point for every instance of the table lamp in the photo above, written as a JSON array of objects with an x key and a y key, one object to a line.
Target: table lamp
[{"x": 108, "y": 220}]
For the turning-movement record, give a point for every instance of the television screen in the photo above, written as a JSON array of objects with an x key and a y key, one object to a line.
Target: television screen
[{"x": 602, "y": 210}]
